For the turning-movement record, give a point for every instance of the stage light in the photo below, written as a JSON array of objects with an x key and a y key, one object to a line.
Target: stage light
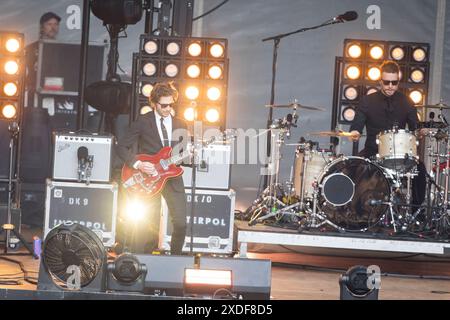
[
  {"x": 10, "y": 89},
  {"x": 215, "y": 72},
  {"x": 149, "y": 69},
  {"x": 213, "y": 93},
  {"x": 171, "y": 70},
  {"x": 146, "y": 90},
  {"x": 416, "y": 96},
  {"x": 135, "y": 210},
  {"x": 192, "y": 92},
  {"x": 119, "y": 12},
  {"x": 112, "y": 97},
  {"x": 9, "y": 111},
  {"x": 397, "y": 53},
  {"x": 351, "y": 93},
  {"x": 12, "y": 45},
  {"x": 204, "y": 281},
  {"x": 173, "y": 48},
  {"x": 353, "y": 72},
  {"x": 127, "y": 268},
  {"x": 145, "y": 110},
  {"x": 374, "y": 73},
  {"x": 417, "y": 76},
  {"x": 216, "y": 50},
  {"x": 354, "y": 284},
  {"x": 419, "y": 55},
  {"x": 348, "y": 114},
  {"x": 11, "y": 67},
  {"x": 151, "y": 47},
  {"x": 212, "y": 115},
  {"x": 195, "y": 49},
  {"x": 376, "y": 52},
  {"x": 198, "y": 67},
  {"x": 354, "y": 51},
  {"x": 189, "y": 114},
  {"x": 193, "y": 71}
]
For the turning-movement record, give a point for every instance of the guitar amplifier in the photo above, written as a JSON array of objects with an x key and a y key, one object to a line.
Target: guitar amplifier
[
  {"x": 65, "y": 157},
  {"x": 213, "y": 222},
  {"x": 214, "y": 169},
  {"x": 93, "y": 206}
]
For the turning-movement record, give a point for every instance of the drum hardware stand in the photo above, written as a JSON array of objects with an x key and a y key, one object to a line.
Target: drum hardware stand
[
  {"x": 269, "y": 200},
  {"x": 313, "y": 215}
]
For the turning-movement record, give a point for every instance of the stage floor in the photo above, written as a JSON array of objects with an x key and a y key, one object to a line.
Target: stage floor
[
  {"x": 292, "y": 283},
  {"x": 307, "y": 273}
]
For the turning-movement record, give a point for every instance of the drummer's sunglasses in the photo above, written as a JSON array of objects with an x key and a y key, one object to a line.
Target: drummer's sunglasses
[{"x": 386, "y": 82}]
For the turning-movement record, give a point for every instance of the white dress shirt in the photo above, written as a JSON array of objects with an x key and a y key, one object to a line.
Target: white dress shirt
[{"x": 167, "y": 123}]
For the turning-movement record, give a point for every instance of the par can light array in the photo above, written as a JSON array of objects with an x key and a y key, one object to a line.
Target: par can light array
[
  {"x": 198, "y": 67},
  {"x": 358, "y": 72},
  {"x": 11, "y": 75}
]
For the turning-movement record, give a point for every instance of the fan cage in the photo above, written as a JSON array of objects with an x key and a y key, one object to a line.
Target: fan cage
[{"x": 73, "y": 244}]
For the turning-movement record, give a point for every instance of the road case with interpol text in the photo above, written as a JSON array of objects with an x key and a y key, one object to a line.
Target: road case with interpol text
[
  {"x": 213, "y": 222},
  {"x": 93, "y": 205}
]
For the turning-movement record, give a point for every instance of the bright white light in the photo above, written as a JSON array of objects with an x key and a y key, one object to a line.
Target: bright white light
[{"x": 135, "y": 210}]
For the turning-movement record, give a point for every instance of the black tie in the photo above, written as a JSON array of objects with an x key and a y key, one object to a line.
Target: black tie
[
  {"x": 389, "y": 112},
  {"x": 164, "y": 132}
]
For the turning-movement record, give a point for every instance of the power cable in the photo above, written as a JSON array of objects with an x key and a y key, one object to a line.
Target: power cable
[{"x": 210, "y": 11}]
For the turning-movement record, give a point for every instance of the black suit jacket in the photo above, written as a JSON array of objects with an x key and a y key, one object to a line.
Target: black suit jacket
[
  {"x": 144, "y": 132},
  {"x": 379, "y": 113}
]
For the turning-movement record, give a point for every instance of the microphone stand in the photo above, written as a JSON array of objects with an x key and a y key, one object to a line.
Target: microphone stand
[
  {"x": 196, "y": 134},
  {"x": 276, "y": 43},
  {"x": 9, "y": 227}
]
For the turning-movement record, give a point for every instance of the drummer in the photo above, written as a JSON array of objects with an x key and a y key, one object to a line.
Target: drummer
[{"x": 384, "y": 110}]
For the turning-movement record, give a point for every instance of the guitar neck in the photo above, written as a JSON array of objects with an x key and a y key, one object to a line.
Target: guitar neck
[{"x": 185, "y": 154}]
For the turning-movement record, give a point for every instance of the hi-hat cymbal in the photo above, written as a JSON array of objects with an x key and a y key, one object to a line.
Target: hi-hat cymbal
[
  {"x": 294, "y": 105},
  {"x": 436, "y": 106},
  {"x": 331, "y": 134}
]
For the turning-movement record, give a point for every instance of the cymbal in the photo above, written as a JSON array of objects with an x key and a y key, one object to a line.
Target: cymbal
[
  {"x": 331, "y": 134},
  {"x": 436, "y": 106},
  {"x": 294, "y": 105}
]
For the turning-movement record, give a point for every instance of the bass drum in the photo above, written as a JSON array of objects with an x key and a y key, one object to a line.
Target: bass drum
[{"x": 347, "y": 188}]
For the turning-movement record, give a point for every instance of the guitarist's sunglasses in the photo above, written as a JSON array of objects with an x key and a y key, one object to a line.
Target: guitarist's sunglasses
[{"x": 163, "y": 106}]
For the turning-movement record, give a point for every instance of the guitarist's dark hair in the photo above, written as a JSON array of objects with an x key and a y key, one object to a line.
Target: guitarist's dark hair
[{"x": 163, "y": 89}]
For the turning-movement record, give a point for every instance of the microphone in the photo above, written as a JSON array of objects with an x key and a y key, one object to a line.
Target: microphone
[
  {"x": 288, "y": 123},
  {"x": 83, "y": 155},
  {"x": 442, "y": 117},
  {"x": 289, "y": 118},
  {"x": 348, "y": 16},
  {"x": 374, "y": 202}
]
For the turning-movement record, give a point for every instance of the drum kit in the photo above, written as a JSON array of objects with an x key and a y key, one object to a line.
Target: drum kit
[{"x": 354, "y": 194}]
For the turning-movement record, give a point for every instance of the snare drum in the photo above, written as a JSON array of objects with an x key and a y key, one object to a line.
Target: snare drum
[
  {"x": 397, "y": 149},
  {"x": 308, "y": 167}
]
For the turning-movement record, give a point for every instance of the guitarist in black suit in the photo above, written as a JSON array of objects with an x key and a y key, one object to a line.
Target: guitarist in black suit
[{"x": 152, "y": 132}]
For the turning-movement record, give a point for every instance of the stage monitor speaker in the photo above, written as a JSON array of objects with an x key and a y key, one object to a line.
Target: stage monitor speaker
[{"x": 251, "y": 278}]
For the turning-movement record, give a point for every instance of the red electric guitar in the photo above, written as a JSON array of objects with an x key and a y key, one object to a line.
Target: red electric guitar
[{"x": 140, "y": 184}]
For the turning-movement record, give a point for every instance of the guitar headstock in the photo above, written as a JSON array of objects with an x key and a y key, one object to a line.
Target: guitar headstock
[
  {"x": 229, "y": 134},
  {"x": 226, "y": 136}
]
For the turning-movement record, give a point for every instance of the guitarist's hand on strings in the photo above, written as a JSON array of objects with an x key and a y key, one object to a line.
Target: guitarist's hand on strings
[{"x": 148, "y": 168}]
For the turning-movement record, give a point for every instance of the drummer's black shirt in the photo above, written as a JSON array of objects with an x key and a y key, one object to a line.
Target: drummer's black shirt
[{"x": 379, "y": 113}]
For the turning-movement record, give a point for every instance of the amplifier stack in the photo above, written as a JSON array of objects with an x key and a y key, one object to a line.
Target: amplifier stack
[{"x": 80, "y": 190}]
